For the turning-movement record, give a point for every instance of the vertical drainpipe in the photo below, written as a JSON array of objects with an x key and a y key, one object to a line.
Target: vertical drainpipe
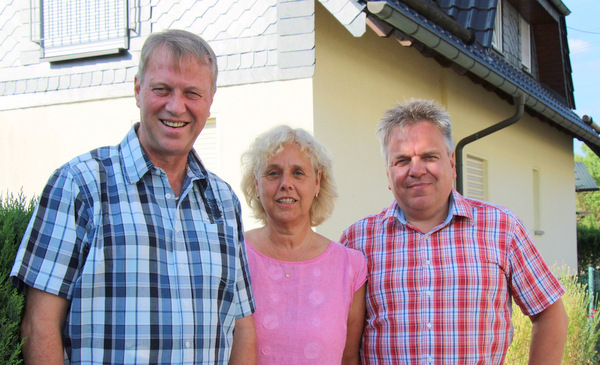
[{"x": 520, "y": 103}]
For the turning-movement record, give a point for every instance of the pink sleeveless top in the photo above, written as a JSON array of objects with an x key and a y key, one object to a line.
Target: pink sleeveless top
[{"x": 302, "y": 319}]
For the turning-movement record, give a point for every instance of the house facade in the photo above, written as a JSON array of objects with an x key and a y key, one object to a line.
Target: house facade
[{"x": 330, "y": 67}]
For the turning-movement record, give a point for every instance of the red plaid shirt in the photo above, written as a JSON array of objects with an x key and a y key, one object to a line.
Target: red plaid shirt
[{"x": 444, "y": 297}]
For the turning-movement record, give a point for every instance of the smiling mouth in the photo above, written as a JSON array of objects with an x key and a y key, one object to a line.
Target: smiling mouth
[
  {"x": 286, "y": 200},
  {"x": 168, "y": 123}
]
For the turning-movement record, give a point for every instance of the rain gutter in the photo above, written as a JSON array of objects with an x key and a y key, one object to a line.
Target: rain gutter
[
  {"x": 444, "y": 20},
  {"x": 564, "y": 11},
  {"x": 457, "y": 54},
  {"x": 520, "y": 104}
]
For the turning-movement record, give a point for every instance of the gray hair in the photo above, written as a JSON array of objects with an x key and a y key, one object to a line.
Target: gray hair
[
  {"x": 411, "y": 112},
  {"x": 270, "y": 143},
  {"x": 180, "y": 43}
]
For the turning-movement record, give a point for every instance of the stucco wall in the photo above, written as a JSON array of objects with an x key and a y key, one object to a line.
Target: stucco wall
[
  {"x": 36, "y": 141},
  {"x": 356, "y": 79}
]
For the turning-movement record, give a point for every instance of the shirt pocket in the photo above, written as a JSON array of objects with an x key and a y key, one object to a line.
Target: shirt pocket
[{"x": 215, "y": 266}]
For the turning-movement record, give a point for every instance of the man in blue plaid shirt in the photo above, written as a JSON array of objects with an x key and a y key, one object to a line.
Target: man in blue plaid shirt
[{"x": 135, "y": 252}]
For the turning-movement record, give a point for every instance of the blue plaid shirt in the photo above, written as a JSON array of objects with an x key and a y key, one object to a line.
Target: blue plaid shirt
[{"x": 151, "y": 278}]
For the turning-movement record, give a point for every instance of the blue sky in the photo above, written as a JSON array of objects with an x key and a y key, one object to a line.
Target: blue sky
[{"x": 583, "y": 29}]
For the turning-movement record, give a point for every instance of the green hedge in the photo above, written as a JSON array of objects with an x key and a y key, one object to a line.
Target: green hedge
[
  {"x": 14, "y": 216},
  {"x": 588, "y": 247}
]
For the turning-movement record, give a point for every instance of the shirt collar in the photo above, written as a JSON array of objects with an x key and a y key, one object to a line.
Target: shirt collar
[
  {"x": 136, "y": 163},
  {"x": 458, "y": 206}
]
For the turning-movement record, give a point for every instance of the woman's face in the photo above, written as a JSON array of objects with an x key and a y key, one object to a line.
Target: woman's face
[{"x": 287, "y": 187}]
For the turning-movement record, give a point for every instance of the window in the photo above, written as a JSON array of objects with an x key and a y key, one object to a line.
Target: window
[
  {"x": 69, "y": 29},
  {"x": 525, "y": 31},
  {"x": 207, "y": 146},
  {"x": 476, "y": 178},
  {"x": 497, "y": 38}
]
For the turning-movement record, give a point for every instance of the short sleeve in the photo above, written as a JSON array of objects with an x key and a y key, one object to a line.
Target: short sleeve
[
  {"x": 533, "y": 286},
  {"x": 359, "y": 267},
  {"x": 48, "y": 258},
  {"x": 245, "y": 298}
]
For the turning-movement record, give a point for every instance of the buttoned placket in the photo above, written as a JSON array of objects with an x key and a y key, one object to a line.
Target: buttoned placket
[
  {"x": 179, "y": 271},
  {"x": 426, "y": 295}
]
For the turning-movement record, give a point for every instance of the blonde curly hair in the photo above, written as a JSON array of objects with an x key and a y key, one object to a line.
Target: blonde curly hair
[{"x": 270, "y": 143}]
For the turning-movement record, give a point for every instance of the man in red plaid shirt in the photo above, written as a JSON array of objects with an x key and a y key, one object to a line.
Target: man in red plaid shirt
[{"x": 443, "y": 268}]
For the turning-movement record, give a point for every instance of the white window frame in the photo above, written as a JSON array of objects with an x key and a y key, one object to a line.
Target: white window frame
[
  {"x": 525, "y": 32},
  {"x": 497, "y": 35},
  {"x": 72, "y": 29}
]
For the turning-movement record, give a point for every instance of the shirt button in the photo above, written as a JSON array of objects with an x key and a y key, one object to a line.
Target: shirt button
[
  {"x": 181, "y": 266},
  {"x": 429, "y": 325},
  {"x": 168, "y": 196},
  {"x": 188, "y": 344},
  {"x": 186, "y": 304},
  {"x": 429, "y": 293},
  {"x": 428, "y": 262}
]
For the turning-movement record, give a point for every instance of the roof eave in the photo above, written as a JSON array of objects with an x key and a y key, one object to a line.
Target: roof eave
[{"x": 562, "y": 8}]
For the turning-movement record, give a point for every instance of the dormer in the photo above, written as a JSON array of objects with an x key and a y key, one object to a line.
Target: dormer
[{"x": 531, "y": 35}]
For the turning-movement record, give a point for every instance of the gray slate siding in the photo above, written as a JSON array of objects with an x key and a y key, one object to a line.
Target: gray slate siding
[{"x": 255, "y": 41}]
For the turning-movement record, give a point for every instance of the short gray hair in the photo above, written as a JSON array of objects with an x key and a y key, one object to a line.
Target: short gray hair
[
  {"x": 180, "y": 43},
  {"x": 411, "y": 112},
  {"x": 270, "y": 143}
]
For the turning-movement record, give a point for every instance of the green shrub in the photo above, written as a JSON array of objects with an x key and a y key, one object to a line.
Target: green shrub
[
  {"x": 582, "y": 336},
  {"x": 14, "y": 216}
]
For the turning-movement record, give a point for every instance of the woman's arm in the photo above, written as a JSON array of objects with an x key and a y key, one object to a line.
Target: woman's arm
[{"x": 356, "y": 322}]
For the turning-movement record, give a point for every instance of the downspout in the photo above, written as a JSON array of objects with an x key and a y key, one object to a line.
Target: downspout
[{"x": 520, "y": 103}]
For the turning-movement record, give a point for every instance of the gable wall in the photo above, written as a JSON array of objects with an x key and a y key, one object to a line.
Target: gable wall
[{"x": 356, "y": 79}]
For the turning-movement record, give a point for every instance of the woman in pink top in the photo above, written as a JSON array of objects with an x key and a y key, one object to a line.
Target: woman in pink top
[{"x": 309, "y": 291}]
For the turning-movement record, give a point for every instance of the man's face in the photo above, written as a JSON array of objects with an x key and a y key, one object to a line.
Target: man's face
[
  {"x": 420, "y": 172},
  {"x": 174, "y": 100}
]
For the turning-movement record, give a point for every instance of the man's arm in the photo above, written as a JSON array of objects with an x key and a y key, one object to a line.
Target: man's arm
[
  {"x": 42, "y": 327},
  {"x": 356, "y": 320},
  {"x": 243, "y": 350},
  {"x": 549, "y": 334}
]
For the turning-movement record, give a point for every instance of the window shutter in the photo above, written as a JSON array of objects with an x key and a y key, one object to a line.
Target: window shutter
[
  {"x": 497, "y": 37},
  {"x": 476, "y": 178},
  {"x": 207, "y": 146},
  {"x": 525, "y": 43}
]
